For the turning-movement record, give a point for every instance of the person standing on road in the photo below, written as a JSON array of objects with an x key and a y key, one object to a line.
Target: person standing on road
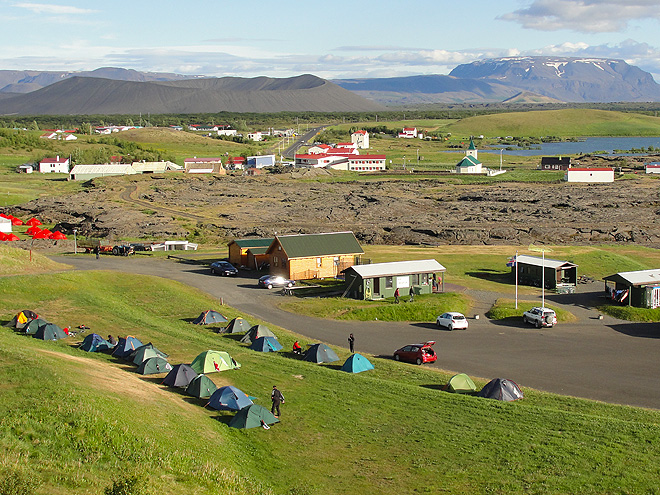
[
  {"x": 351, "y": 343},
  {"x": 396, "y": 296},
  {"x": 277, "y": 398},
  {"x": 97, "y": 251},
  {"x": 411, "y": 292}
]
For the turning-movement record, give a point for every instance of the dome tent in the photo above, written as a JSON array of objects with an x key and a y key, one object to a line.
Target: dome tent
[
  {"x": 320, "y": 353},
  {"x": 180, "y": 376},
  {"x": 209, "y": 317},
  {"x": 20, "y": 321},
  {"x": 126, "y": 346},
  {"x": 154, "y": 365},
  {"x": 501, "y": 389},
  {"x": 94, "y": 343},
  {"x": 50, "y": 331},
  {"x": 357, "y": 363},
  {"x": 210, "y": 361},
  {"x": 266, "y": 344},
  {"x": 145, "y": 352},
  {"x": 229, "y": 399},
  {"x": 461, "y": 384},
  {"x": 253, "y": 416},
  {"x": 255, "y": 332},
  {"x": 237, "y": 325},
  {"x": 201, "y": 387},
  {"x": 32, "y": 326}
]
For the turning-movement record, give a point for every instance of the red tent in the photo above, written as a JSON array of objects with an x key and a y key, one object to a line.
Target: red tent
[
  {"x": 3, "y": 236},
  {"x": 33, "y": 230},
  {"x": 42, "y": 234},
  {"x": 12, "y": 237},
  {"x": 57, "y": 235},
  {"x": 33, "y": 222},
  {"x": 16, "y": 221},
  {"x": 3, "y": 215}
]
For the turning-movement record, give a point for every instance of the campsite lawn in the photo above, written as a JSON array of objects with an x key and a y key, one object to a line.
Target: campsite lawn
[
  {"x": 424, "y": 308},
  {"x": 506, "y": 309},
  {"x": 73, "y": 422}
]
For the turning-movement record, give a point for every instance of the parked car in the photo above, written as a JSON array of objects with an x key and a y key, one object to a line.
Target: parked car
[
  {"x": 416, "y": 353},
  {"x": 452, "y": 321},
  {"x": 270, "y": 281},
  {"x": 223, "y": 268},
  {"x": 540, "y": 317}
]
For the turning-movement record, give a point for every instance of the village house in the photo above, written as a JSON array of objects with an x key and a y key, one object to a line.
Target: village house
[
  {"x": 255, "y": 136},
  {"x": 250, "y": 253},
  {"x": 381, "y": 280},
  {"x": 236, "y": 163},
  {"x": 318, "y": 149},
  {"x": 637, "y": 288},
  {"x": 555, "y": 163},
  {"x": 360, "y": 163},
  {"x": 87, "y": 172},
  {"x": 360, "y": 139},
  {"x": 320, "y": 160},
  {"x": 589, "y": 175},
  {"x": 227, "y": 132},
  {"x": 652, "y": 168},
  {"x": 558, "y": 275},
  {"x": 59, "y": 135},
  {"x": 308, "y": 256},
  {"x": 54, "y": 165},
  {"x": 260, "y": 161},
  {"x": 348, "y": 146},
  {"x": 203, "y": 166},
  {"x": 408, "y": 133}
]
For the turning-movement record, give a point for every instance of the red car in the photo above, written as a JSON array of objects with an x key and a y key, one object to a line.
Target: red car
[{"x": 417, "y": 353}]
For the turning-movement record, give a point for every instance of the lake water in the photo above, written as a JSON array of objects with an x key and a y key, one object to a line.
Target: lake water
[{"x": 590, "y": 145}]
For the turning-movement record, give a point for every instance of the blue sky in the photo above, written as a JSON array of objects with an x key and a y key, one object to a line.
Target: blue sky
[{"x": 339, "y": 39}]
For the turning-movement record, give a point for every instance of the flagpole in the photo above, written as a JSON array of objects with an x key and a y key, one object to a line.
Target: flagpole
[
  {"x": 543, "y": 282},
  {"x": 516, "y": 265}
]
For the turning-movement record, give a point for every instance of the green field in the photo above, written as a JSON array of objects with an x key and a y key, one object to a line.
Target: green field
[{"x": 74, "y": 423}]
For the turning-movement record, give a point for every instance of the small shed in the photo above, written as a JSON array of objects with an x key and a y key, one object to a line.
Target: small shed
[
  {"x": 559, "y": 275},
  {"x": 239, "y": 248},
  {"x": 380, "y": 280},
  {"x": 638, "y": 288},
  {"x": 589, "y": 174}
]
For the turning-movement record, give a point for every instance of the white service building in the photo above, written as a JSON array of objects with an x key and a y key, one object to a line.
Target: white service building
[{"x": 589, "y": 175}]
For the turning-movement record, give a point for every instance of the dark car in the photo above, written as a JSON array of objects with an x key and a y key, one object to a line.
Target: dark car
[
  {"x": 270, "y": 281},
  {"x": 416, "y": 353},
  {"x": 223, "y": 268}
]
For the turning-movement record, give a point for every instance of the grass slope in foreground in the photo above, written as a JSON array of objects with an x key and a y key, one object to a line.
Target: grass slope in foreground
[{"x": 74, "y": 422}]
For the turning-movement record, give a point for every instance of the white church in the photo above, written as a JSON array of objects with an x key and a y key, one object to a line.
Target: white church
[{"x": 470, "y": 164}]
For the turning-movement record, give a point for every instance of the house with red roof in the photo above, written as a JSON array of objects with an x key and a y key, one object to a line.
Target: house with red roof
[
  {"x": 652, "y": 168},
  {"x": 54, "y": 165},
  {"x": 408, "y": 133},
  {"x": 360, "y": 139}
]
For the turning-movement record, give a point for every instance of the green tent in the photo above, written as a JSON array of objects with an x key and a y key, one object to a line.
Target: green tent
[
  {"x": 32, "y": 327},
  {"x": 144, "y": 352},
  {"x": 210, "y": 361},
  {"x": 50, "y": 331},
  {"x": 461, "y": 384},
  {"x": 252, "y": 417},
  {"x": 255, "y": 332},
  {"x": 154, "y": 365},
  {"x": 201, "y": 386},
  {"x": 237, "y": 325}
]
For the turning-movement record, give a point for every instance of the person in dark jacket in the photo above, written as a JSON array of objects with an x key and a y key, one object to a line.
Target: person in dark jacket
[
  {"x": 277, "y": 398},
  {"x": 396, "y": 296},
  {"x": 351, "y": 343}
]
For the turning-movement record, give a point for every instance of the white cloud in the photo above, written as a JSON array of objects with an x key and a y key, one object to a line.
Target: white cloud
[
  {"x": 42, "y": 8},
  {"x": 590, "y": 16}
]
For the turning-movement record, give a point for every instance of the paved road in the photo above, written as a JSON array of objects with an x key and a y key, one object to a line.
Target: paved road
[{"x": 608, "y": 360}]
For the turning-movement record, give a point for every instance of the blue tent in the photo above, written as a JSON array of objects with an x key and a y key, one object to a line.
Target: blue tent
[
  {"x": 266, "y": 344},
  {"x": 320, "y": 353},
  {"x": 229, "y": 399},
  {"x": 356, "y": 364},
  {"x": 126, "y": 346},
  {"x": 94, "y": 343}
]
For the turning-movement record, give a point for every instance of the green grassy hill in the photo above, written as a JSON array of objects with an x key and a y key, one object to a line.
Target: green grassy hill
[
  {"x": 565, "y": 123},
  {"x": 73, "y": 422}
]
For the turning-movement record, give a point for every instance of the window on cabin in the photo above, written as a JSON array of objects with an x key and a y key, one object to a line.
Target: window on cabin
[{"x": 388, "y": 282}]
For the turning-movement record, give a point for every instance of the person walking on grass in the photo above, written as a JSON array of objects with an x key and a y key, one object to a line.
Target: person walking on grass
[
  {"x": 351, "y": 343},
  {"x": 411, "y": 292},
  {"x": 277, "y": 398},
  {"x": 396, "y": 296}
]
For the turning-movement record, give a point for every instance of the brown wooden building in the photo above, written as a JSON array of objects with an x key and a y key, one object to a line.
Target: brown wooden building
[
  {"x": 307, "y": 256},
  {"x": 249, "y": 252}
]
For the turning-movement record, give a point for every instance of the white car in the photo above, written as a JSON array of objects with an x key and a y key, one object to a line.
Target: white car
[
  {"x": 540, "y": 317},
  {"x": 452, "y": 321}
]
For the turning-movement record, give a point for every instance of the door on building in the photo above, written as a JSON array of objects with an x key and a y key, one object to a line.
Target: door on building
[{"x": 376, "y": 287}]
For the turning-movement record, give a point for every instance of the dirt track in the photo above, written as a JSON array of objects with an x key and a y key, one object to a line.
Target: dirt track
[{"x": 393, "y": 211}]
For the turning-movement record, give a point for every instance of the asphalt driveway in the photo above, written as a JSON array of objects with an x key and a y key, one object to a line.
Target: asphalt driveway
[{"x": 608, "y": 360}]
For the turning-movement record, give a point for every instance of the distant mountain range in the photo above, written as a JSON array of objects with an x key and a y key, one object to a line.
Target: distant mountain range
[
  {"x": 92, "y": 95},
  {"x": 496, "y": 80},
  {"x": 510, "y": 80}
]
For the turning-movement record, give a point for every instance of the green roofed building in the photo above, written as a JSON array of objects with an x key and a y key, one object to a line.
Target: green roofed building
[
  {"x": 306, "y": 256},
  {"x": 239, "y": 248}
]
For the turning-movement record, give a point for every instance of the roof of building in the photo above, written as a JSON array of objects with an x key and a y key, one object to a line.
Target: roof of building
[
  {"x": 367, "y": 157},
  {"x": 468, "y": 161},
  {"x": 398, "y": 268},
  {"x": 639, "y": 277},
  {"x": 251, "y": 243},
  {"x": 539, "y": 261},
  {"x": 327, "y": 244},
  {"x": 54, "y": 160},
  {"x": 653, "y": 165},
  {"x": 202, "y": 160},
  {"x": 258, "y": 250},
  {"x": 590, "y": 169},
  {"x": 472, "y": 146},
  {"x": 555, "y": 160},
  {"x": 360, "y": 132},
  {"x": 103, "y": 169}
]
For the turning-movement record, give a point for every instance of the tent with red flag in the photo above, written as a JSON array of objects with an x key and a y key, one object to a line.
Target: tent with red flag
[{"x": 33, "y": 222}]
